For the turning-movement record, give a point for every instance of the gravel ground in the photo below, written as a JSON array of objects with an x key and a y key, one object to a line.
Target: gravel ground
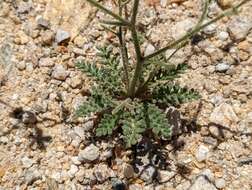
[{"x": 42, "y": 144}]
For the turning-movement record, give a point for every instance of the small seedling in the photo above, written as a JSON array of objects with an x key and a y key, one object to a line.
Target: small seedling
[{"x": 132, "y": 98}]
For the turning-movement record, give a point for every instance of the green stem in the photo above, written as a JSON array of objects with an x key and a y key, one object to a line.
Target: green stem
[
  {"x": 123, "y": 49},
  {"x": 139, "y": 58},
  {"x": 107, "y": 11}
]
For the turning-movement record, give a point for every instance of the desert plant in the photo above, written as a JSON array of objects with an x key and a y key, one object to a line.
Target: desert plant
[{"x": 133, "y": 97}]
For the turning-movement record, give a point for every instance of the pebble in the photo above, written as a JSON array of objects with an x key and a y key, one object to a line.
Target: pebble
[
  {"x": 46, "y": 62},
  {"x": 43, "y": 22},
  {"x": 239, "y": 27},
  {"x": 76, "y": 82},
  {"x": 210, "y": 29},
  {"x": 163, "y": 3},
  {"x": 31, "y": 176},
  {"x": 4, "y": 140},
  {"x": 102, "y": 172},
  {"x": 47, "y": 37},
  {"x": 224, "y": 115},
  {"x": 128, "y": 171},
  {"x": 165, "y": 175},
  {"x": 225, "y": 3},
  {"x": 220, "y": 183},
  {"x": 181, "y": 27},
  {"x": 223, "y": 35},
  {"x": 89, "y": 154},
  {"x": 80, "y": 132},
  {"x": 148, "y": 174},
  {"x": 73, "y": 170},
  {"x": 202, "y": 183},
  {"x": 149, "y": 49},
  {"x": 22, "y": 38},
  {"x": 62, "y": 36},
  {"x": 24, "y": 7},
  {"x": 21, "y": 65},
  {"x": 208, "y": 173},
  {"x": 75, "y": 160},
  {"x": 202, "y": 153},
  {"x": 117, "y": 184},
  {"x": 27, "y": 162},
  {"x": 59, "y": 72},
  {"x": 222, "y": 67}
]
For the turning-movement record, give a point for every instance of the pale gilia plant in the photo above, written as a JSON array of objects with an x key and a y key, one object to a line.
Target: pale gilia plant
[{"x": 131, "y": 99}]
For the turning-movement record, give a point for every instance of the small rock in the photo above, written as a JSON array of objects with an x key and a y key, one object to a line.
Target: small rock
[
  {"x": 181, "y": 27},
  {"x": 239, "y": 27},
  {"x": 128, "y": 171},
  {"x": 22, "y": 38},
  {"x": 224, "y": 115},
  {"x": 31, "y": 176},
  {"x": 217, "y": 100},
  {"x": 24, "y": 7},
  {"x": 208, "y": 173},
  {"x": 220, "y": 183},
  {"x": 21, "y": 65},
  {"x": 57, "y": 176},
  {"x": 202, "y": 183},
  {"x": 59, "y": 73},
  {"x": 148, "y": 173},
  {"x": 202, "y": 153},
  {"x": 47, "y": 37},
  {"x": 223, "y": 36},
  {"x": 87, "y": 126},
  {"x": 117, "y": 184},
  {"x": 102, "y": 172},
  {"x": 149, "y": 49},
  {"x": 222, "y": 67},
  {"x": 27, "y": 162},
  {"x": 76, "y": 82},
  {"x": 76, "y": 142},
  {"x": 62, "y": 36},
  {"x": 163, "y": 3},
  {"x": 225, "y": 3},
  {"x": 43, "y": 22},
  {"x": 73, "y": 170},
  {"x": 210, "y": 140},
  {"x": 4, "y": 140},
  {"x": 89, "y": 154},
  {"x": 29, "y": 117},
  {"x": 165, "y": 175},
  {"x": 80, "y": 132},
  {"x": 75, "y": 160},
  {"x": 210, "y": 29},
  {"x": 46, "y": 62},
  {"x": 106, "y": 154}
]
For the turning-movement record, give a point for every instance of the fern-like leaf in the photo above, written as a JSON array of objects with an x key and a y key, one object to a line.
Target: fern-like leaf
[
  {"x": 170, "y": 72},
  {"x": 96, "y": 103},
  {"x": 91, "y": 70},
  {"x": 173, "y": 94},
  {"x": 107, "y": 125},
  {"x": 132, "y": 130},
  {"x": 157, "y": 121}
]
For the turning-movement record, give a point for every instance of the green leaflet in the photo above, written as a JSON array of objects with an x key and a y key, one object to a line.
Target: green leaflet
[
  {"x": 97, "y": 102},
  {"x": 157, "y": 121},
  {"x": 132, "y": 130},
  {"x": 173, "y": 94},
  {"x": 107, "y": 125},
  {"x": 170, "y": 72}
]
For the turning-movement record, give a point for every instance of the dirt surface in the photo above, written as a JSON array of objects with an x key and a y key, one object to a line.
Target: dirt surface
[{"x": 42, "y": 144}]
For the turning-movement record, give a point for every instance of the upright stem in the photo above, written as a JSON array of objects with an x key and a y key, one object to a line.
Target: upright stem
[
  {"x": 139, "y": 58},
  {"x": 123, "y": 49}
]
